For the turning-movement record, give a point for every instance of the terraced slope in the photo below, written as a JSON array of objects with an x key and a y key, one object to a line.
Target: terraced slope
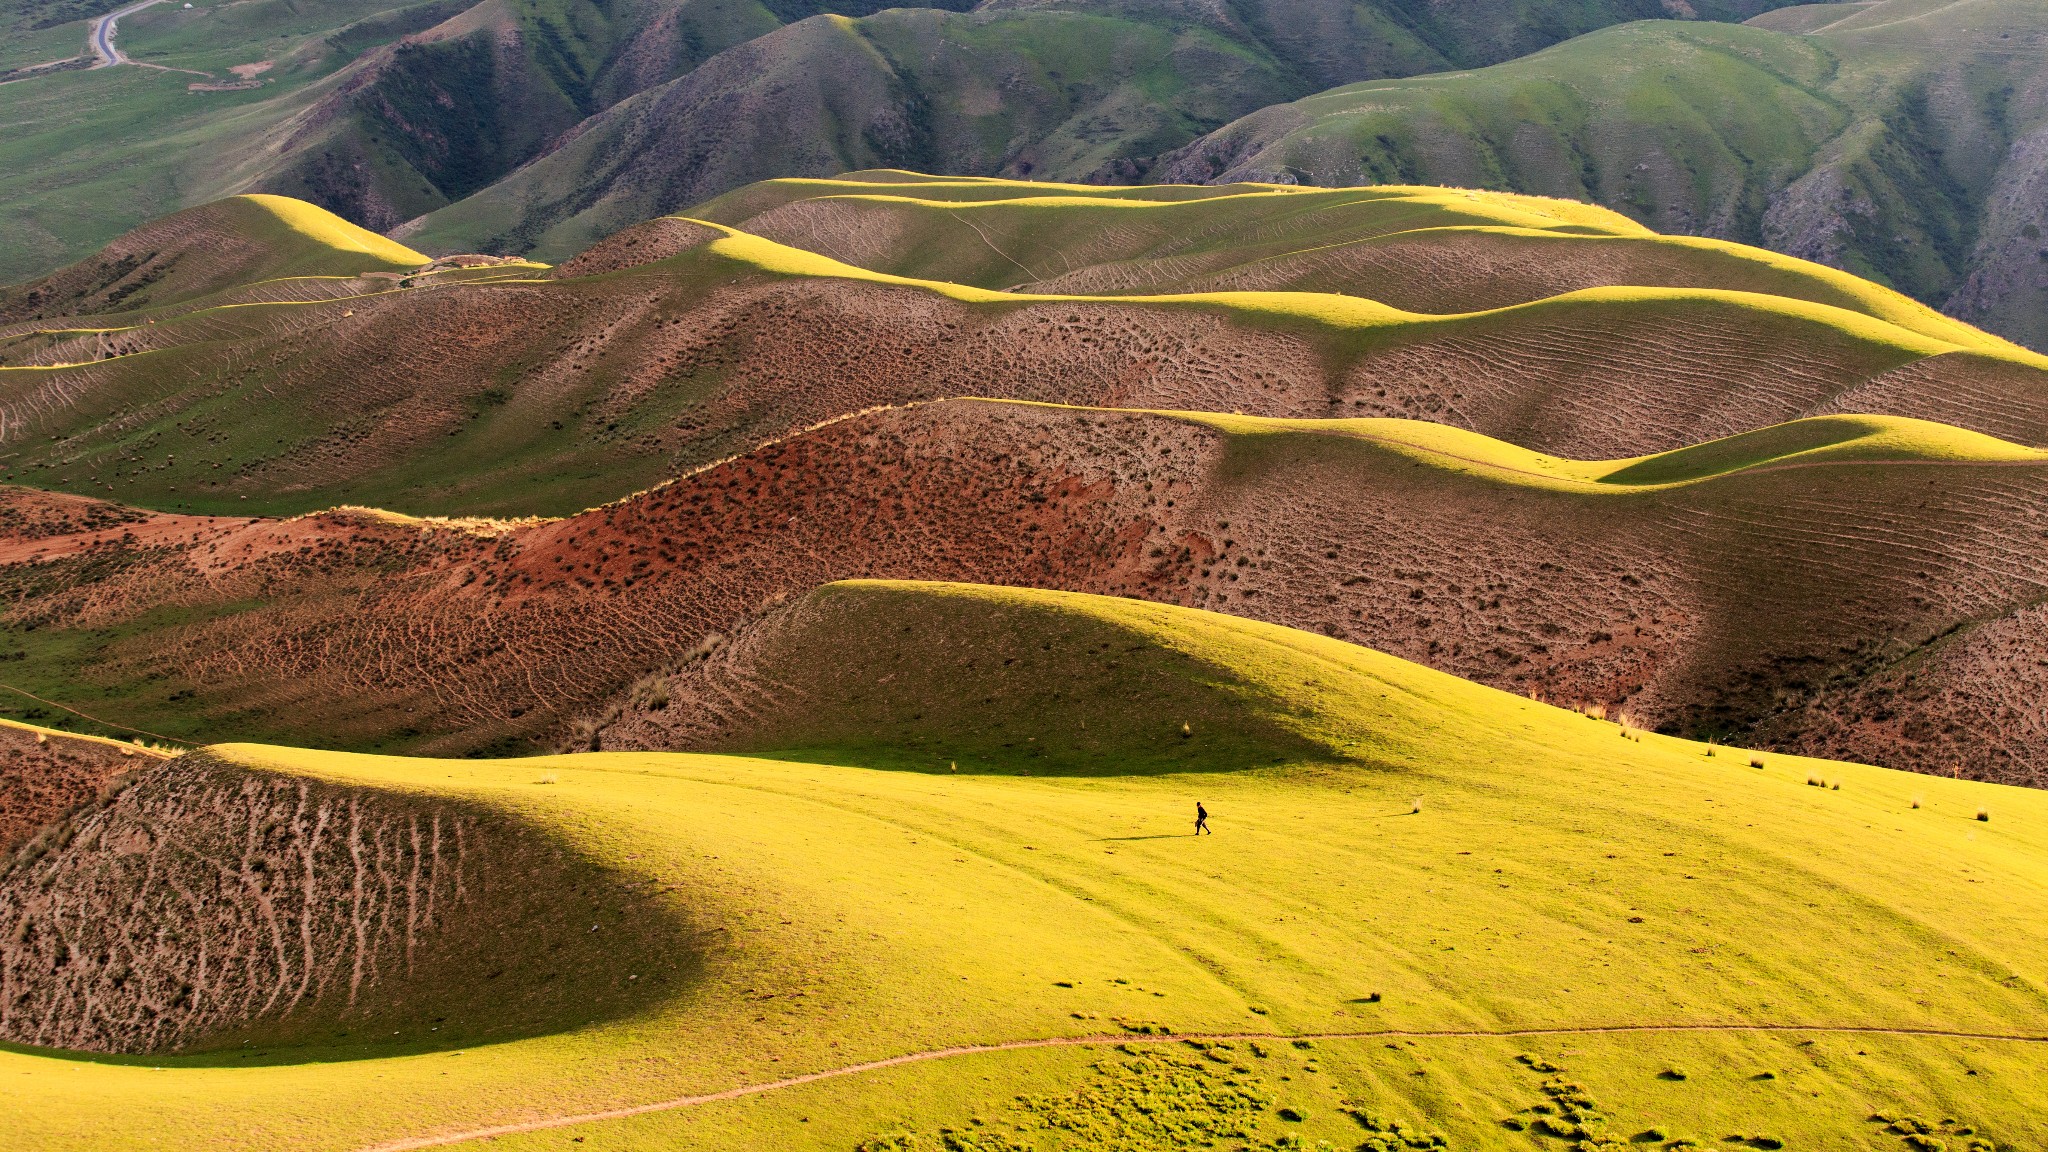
[
  {"x": 1900, "y": 140},
  {"x": 1861, "y": 586},
  {"x": 492, "y": 390},
  {"x": 1476, "y": 913}
]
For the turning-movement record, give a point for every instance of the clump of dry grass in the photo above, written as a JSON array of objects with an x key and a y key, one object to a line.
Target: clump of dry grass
[
  {"x": 1917, "y": 801},
  {"x": 1984, "y": 814},
  {"x": 1756, "y": 761},
  {"x": 1415, "y": 806}
]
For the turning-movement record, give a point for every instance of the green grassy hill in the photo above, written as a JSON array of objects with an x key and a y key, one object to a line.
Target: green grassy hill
[
  {"x": 1465, "y": 913},
  {"x": 379, "y": 110},
  {"x": 1881, "y": 139},
  {"x": 1064, "y": 92}
]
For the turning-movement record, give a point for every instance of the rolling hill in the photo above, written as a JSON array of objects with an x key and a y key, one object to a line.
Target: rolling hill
[
  {"x": 1430, "y": 913},
  {"x": 1064, "y": 91},
  {"x": 507, "y": 389},
  {"x": 229, "y": 246},
  {"x": 1899, "y": 140},
  {"x": 380, "y": 110},
  {"x": 1859, "y": 586},
  {"x": 384, "y": 111}
]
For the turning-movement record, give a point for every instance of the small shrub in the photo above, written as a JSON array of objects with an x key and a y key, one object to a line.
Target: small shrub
[
  {"x": 549, "y": 778},
  {"x": 1765, "y": 1142},
  {"x": 1835, "y": 785},
  {"x": 1756, "y": 761},
  {"x": 1416, "y": 806},
  {"x": 1304, "y": 1044},
  {"x": 1984, "y": 814},
  {"x": 1916, "y": 801},
  {"x": 1672, "y": 1074},
  {"x": 1293, "y": 1114}
]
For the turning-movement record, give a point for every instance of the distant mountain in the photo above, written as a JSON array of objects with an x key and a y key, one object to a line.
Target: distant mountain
[
  {"x": 1047, "y": 89},
  {"x": 451, "y": 108},
  {"x": 1903, "y": 140}
]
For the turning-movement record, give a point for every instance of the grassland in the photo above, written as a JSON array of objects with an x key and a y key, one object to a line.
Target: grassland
[
  {"x": 1028, "y": 236},
  {"x": 1802, "y": 956},
  {"x": 522, "y": 387},
  {"x": 1817, "y": 133}
]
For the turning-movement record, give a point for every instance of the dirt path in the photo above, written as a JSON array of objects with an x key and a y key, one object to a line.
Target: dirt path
[{"x": 446, "y": 1139}]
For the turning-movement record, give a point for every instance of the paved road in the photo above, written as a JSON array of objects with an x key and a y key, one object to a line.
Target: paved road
[{"x": 101, "y": 39}]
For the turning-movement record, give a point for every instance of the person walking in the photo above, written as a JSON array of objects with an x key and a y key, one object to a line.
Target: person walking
[{"x": 1202, "y": 819}]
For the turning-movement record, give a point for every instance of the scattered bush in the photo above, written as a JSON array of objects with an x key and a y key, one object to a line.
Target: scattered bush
[
  {"x": 1984, "y": 814},
  {"x": 1292, "y": 1114},
  {"x": 1672, "y": 1074}
]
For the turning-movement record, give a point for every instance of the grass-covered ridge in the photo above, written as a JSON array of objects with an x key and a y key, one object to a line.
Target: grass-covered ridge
[
  {"x": 1018, "y": 234},
  {"x": 1815, "y": 132},
  {"x": 1559, "y": 874},
  {"x": 231, "y": 248},
  {"x": 308, "y": 240},
  {"x": 1356, "y": 315},
  {"x": 530, "y": 391},
  {"x": 1814, "y": 441}
]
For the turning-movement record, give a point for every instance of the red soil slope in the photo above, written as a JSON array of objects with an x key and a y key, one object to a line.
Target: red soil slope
[
  {"x": 1768, "y": 604},
  {"x": 44, "y": 775}
]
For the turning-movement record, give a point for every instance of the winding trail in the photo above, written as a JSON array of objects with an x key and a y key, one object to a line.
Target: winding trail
[
  {"x": 101, "y": 39},
  {"x": 411, "y": 1144}
]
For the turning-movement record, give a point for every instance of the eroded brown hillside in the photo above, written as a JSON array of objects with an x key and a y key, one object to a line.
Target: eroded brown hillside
[
  {"x": 554, "y": 395},
  {"x": 1766, "y": 604}
]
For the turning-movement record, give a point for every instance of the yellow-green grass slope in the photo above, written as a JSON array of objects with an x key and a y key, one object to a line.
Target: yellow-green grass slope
[
  {"x": 236, "y": 243},
  {"x": 1813, "y": 441},
  {"x": 1558, "y": 875},
  {"x": 1023, "y": 235}
]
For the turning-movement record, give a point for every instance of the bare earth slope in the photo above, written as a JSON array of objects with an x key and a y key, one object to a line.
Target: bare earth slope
[{"x": 1836, "y": 585}]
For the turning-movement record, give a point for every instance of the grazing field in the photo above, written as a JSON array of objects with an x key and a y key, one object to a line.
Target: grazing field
[{"x": 1492, "y": 915}]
